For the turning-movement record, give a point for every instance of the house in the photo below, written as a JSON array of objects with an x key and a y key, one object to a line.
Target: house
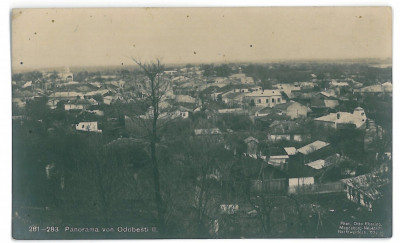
[
  {"x": 317, "y": 164},
  {"x": 96, "y": 112},
  {"x": 267, "y": 179},
  {"x": 287, "y": 130},
  {"x": 335, "y": 167},
  {"x": 290, "y": 150},
  {"x": 27, "y": 84},
  {"x": 333, "y": 160},
  {"x": 313, "y": 151},
  {"x": 67, "y": 76},
  {"x": 306, "y": 85},
  {"x": 181, "y": 112},
  {"x": 340, "y": 84},
  {"x": 120, "y": 84},
  {"x": 101, "y": 92},
  {"x": 52, "y": 103},
  {"x": 357, "y": 119},
  {"x": 185, "y": 99},
  {"x": 291, "y": 109},
  {"x": 287, "y": 88},
  {"x": 387, "y": 87},
  {"x": 18, "y": 102},
  {"x": 96, "y": 84},
  {"x": 107, "y": 100},
  {"x": 266, "y": 98},
  {"x": 207, "y": 131},
  {"x": 171, "y": 72},
  {"x": 278, "y": 158},
  {"x": 300, "y": 177},
  {"x": 233, "y": 98},
  {"x": 88, "y": 127},
  {"x": 372, "y": 89},
  {"x": 66, "y": 95},
  {"x": 231, "y": 111},
  {"x": 83, "y": 87},
  {"x": 324, "y": 100},
  {"x": 260, "y": 111},
  {"x": 252, "y": 145},
  {"x": 367, "y": 190},
  {"x": 71, "y": 106},
  {"x": 229, "y": 208},
  {"x": 242, "y": 78},
  {"x": 81, "y": 104}
]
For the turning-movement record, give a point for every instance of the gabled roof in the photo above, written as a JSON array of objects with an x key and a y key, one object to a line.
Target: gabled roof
[
  {"x": 326, "y": 94},
  {"x": 337, "y": 159},
  {"x": 368, "y": 184},
  {"x": 343, "y": 118},
  {"x": 373, "y": 88},
  {"x": 318, "y": 164},
  {"x": 233, "y": 95},
  {"x": 286, "y": 105},
  {"x": 290, "y": 150},
  {"x": 312, "y": 147},
  {"x": 97, "y": 92},
  {"x": 331, "y": 103}
]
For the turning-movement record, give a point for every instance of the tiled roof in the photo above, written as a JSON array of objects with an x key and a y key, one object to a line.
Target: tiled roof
[{"x": 368, "y": 184}]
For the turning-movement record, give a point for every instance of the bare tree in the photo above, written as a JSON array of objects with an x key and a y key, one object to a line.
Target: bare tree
[{"x": 153, "y": 89}]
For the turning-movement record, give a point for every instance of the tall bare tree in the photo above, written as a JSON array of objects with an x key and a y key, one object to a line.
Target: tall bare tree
[{"x": 153, "y": 89}]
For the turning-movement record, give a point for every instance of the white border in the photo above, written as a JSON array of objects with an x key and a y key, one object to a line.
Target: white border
[{"x": 5, "y": 82}]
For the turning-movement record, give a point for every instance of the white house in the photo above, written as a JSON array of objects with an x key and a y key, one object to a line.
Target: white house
[
  {"x": 341, "y": 119},
  {"x": 292, "y": 109},
  {"x": 88, "y": 127},
  {"x": 266, "y": 98},
  {"x": 68, "y": 107}
]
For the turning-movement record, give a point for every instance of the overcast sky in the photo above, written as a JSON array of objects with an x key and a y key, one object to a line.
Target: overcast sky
[{"x": 89, "y": 37}]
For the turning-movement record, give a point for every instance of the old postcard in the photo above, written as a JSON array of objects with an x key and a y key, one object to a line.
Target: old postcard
[{"x": 202, "y": 123}]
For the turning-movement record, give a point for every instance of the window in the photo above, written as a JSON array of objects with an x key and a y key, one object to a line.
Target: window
[
  {"x": 259, "y": 101},
  {"x": 267, "y": 101},
  {"x": 279, "y": 100},
  {"x": 273, "y": 100},
  {"x": 83, "y": 126},
  {"x": 362, "y": 113}
]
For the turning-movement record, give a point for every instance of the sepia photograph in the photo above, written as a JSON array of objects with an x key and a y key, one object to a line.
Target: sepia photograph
[{"x": 201, "y": 123}]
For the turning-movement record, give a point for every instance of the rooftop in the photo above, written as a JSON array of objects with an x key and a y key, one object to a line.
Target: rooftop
[
  {"x": 265, "y": 93},
  {"x": 369, "y": 184},
  {"x": 314, "y": 146},
  {"x": 318, "y": 164},
  {"x": 290, "y": 150},
  {"x": 285, "y": 127},
  {"x": 344, "y": 118}
]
